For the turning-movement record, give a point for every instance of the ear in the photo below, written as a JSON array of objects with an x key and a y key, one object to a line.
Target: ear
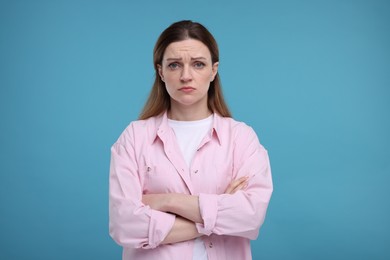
[
  {"x": 159, "y": 68},
  {"x": 214, "y": 71}
]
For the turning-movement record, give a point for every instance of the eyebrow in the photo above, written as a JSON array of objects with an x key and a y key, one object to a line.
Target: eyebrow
[{"x": 178, "y": 59}]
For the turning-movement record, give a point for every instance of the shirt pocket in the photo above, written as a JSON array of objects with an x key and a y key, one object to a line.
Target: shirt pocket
[
  {"x": 213, "y": 178},
  {"x": 161, "y": 179}
]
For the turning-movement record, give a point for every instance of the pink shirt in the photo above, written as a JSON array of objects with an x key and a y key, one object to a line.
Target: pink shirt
[{"x": 147, "y": 159}]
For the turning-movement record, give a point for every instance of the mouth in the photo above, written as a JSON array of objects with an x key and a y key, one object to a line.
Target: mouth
[{"x": 186, "y": 89}]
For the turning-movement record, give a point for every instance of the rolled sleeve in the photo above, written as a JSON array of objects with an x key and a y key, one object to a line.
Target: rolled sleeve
[
  {"x": 160, "y": 225},
  {"x": 208, "y": 210}
]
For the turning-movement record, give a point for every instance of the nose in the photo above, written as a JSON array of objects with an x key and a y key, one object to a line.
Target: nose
[{"x": 186, "y": 74}]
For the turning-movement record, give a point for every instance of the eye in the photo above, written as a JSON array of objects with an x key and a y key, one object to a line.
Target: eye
[
  {"x": 199, "y": 65},
  {"x": 173, "y": 65}
]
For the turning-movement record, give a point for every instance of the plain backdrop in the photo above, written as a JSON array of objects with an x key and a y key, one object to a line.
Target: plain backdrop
[{"x": 311, "y": 77}]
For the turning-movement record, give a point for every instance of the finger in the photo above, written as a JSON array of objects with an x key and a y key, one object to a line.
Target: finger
[
  {"x": 229, "y": 189},
  {"x": 242, "y": 186},
  {"x": 239, "y": 187},
  {"x": 239, "y": 181},
  {"x": 235, "y": 183}
]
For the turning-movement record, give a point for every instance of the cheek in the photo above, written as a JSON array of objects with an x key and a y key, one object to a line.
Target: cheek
[
  {"x": 170, "y": 77},
  {"x": 169, "y": 88},
  {"x": 204, "y": 76},
  {"x": 170, "y": 84}
]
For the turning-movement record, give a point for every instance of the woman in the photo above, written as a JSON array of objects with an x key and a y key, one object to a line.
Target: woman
[{"x": 186, "y": 180}]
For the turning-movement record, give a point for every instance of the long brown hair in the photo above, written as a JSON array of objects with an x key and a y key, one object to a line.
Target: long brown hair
[{"x": 159, "y": 100}]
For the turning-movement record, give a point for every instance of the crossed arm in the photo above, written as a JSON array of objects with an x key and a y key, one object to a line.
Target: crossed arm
[{"x": 186, "y": 209}]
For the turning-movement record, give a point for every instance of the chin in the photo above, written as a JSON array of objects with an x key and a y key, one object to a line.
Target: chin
[
  {"x": 186, "y": 101},
  {"x": 189, "y": 101}
]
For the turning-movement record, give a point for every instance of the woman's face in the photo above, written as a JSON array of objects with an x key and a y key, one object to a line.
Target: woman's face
[{"x": 187, "y": 71}]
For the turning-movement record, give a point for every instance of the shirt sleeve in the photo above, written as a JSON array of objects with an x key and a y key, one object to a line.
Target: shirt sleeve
[
  {"x": 241, "y": 213},
  {"x": 131, "y": 223}
]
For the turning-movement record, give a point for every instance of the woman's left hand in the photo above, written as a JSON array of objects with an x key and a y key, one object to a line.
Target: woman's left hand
[{"x": 236, "y": 185}]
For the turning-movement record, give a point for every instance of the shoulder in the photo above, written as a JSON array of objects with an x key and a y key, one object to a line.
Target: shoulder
[
  {"x": 142, "y": 124},
  {"x": 139, "y": 129},
  {"x": 237, "y": 133},
  {"x": 233, "y": 126},
  {"x": 245, "y": 139}
]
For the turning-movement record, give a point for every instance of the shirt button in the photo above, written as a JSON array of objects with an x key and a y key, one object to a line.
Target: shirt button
[
  {"x": 211, "y": 245},
  {"x": 149, "y": 169},
  {"x": 196, "y": 171}
]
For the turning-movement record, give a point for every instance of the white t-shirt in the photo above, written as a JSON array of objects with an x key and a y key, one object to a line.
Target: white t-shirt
[{"x": 189, "y": 134}]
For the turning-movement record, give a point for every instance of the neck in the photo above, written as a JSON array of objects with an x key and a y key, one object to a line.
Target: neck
[{"x": 183, "y": 113}]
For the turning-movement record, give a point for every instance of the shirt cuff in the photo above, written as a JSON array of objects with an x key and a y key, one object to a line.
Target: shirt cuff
[
  {"x": 160, "y": 225},
  {"x": 208, "y": 210}
]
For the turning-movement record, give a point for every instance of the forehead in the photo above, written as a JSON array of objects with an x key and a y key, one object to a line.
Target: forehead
[{"x": 191, "y": 47}]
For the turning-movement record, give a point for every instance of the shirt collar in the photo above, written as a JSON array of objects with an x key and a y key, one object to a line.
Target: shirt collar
[
  {"x": 162, "y": 128},
  {"x": 217, "y": 128}
]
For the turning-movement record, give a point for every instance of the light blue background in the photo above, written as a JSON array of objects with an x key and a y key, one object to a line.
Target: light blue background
[{"x": 311, "y": 77}]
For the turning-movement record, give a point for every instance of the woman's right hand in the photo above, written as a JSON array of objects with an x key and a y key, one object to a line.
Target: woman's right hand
[{"x": 236, "y": 185}]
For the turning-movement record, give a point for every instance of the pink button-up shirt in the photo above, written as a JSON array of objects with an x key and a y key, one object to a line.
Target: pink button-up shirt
[{"x": 147, "y": 159}]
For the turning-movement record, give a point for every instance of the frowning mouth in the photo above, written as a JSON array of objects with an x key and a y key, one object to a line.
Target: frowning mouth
[{"x": 187, "y": 89}]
